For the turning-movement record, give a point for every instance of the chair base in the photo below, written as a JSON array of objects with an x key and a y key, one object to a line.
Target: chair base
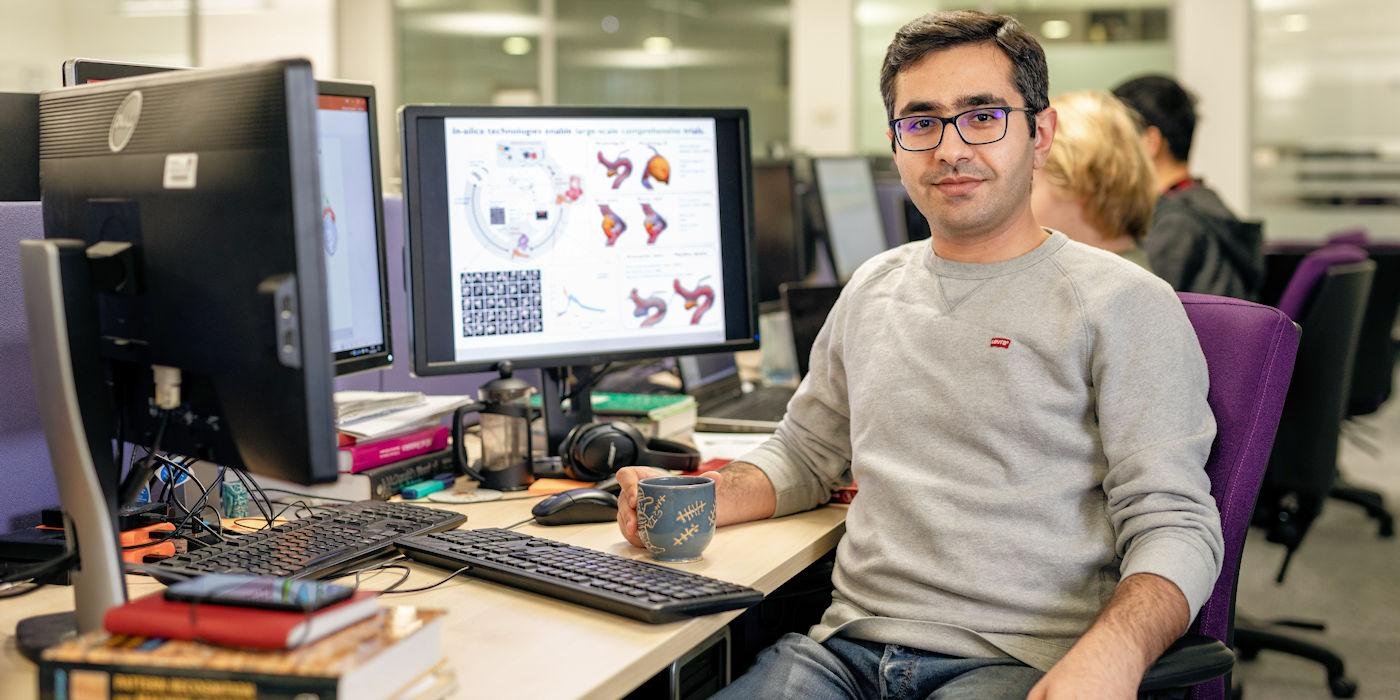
[
  {"x": 1249, "y": 642},
  {"x": 1372, "y": 501}
]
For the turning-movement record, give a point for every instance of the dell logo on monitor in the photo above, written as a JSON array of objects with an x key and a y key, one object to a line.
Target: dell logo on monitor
[{"x": 124, "y": 122}]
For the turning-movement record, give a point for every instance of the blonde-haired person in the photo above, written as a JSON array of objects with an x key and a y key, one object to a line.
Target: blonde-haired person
[{"x": 1097, "y": 185}]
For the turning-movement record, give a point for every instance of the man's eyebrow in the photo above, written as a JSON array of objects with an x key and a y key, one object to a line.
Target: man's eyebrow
[{"x": 966, "y": 101}]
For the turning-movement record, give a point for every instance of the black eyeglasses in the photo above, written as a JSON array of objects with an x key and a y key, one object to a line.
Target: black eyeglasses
[{"x": 976, "y": 127}]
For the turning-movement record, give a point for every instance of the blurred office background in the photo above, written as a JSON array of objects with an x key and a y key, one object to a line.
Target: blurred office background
[
  {"x": 1299, "y": 128},
  {"x": 1297, "y": 96}
]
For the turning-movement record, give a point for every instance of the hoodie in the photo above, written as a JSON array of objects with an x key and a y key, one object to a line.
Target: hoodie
[{"x": 1197, "y": 245}]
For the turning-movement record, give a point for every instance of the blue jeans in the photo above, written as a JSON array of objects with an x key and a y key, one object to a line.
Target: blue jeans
[{"x": 798, "y": 667}]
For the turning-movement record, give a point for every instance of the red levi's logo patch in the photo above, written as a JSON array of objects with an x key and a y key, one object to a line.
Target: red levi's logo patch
[{"x": 1001, "y": 342}]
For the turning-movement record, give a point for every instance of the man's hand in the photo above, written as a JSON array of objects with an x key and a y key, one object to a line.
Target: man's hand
[
  {"x": 1077, "y": 676},
  {"x": 627, "y": 478},
  {"x": 1145, "y": 615}
]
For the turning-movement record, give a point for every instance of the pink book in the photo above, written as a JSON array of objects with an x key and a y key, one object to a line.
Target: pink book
[{"x": 368, "y": 455}]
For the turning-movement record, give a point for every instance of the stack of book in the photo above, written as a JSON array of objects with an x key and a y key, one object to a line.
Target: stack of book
[
  {"x": 385, "y": 445},
  {"x": 150, "y": 648}
]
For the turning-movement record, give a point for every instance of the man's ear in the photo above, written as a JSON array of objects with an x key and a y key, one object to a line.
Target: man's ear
[
  {"x": 889, "y": 134},
  {"x": 1152, "y": 142},
  {"x": 1045, "y": 124}
]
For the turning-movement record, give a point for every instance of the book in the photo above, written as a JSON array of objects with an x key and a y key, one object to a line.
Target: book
[
  {"x": 368, "y": 455},
  {"x": 672, "y": 421},
  {"x": 378, "y": 657},
  {"x": 655, "y": 415},
  {"x": 380, "y": 483},
  {"x": 433, "y": 409},
  {"x": 353, "y": 405},
  {"x": 237, "y": 626}
]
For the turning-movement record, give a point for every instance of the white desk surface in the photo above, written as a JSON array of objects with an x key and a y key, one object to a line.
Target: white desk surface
[{"x": 502, "y": 642}]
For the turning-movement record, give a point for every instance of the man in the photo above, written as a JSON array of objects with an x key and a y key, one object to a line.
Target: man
[
  {"x": 1026, "y": 417},
  {"x": 1194, "y": 243}
]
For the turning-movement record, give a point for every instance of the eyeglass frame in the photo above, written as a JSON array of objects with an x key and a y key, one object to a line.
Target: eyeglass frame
[{"x": 943, "y": 123}]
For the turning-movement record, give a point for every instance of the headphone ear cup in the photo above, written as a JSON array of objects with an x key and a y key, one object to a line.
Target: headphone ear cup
[
  {"x": 598, "y": 450},
  {"x": 668, "y": 454}
]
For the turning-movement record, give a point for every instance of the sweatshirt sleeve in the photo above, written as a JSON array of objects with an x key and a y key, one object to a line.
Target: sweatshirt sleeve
[
  {"x": 1157, "y": 429},
  {"x": 811, "y": 449}
]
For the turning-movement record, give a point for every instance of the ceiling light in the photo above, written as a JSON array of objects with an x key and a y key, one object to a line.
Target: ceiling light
[
  {"x": 1295, "y": 23},
  {"x": 611, "y": 24},
  {"x": 516, "y": 45},
  {"x": 1055, "y": 29},
  {"x": 657, "y": 45}
]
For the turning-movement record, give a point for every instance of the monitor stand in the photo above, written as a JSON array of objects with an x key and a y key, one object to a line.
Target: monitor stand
[
  {"x": 558, "y": 421},
  {"x": 61, "y": 309}
]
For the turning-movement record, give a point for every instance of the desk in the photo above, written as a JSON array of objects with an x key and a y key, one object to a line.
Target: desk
[{"x": 508, "y": 643}]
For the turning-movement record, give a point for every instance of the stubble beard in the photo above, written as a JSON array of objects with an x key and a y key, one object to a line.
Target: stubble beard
[{"x": 988, "y": 208}]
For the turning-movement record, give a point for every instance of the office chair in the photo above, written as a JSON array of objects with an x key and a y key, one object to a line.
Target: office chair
[
  {"x": 1328, "y": 294},
  {"x": 1249, "y": 351}
]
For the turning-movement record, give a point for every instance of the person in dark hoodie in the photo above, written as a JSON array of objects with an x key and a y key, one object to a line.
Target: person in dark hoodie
[{"x": 1195, "y": 242}]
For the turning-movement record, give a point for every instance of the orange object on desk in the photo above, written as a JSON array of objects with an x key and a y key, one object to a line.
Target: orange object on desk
[{"x": 142, "y": 535}]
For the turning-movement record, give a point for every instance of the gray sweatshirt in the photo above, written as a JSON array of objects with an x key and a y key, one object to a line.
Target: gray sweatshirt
[{"x": 1023, "y": 433}]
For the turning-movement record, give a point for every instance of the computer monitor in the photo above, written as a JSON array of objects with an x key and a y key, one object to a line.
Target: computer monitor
[
  {"x": 181, "y": 286},
  {"x": 779, "y": 247},
  {"x": 854, "y": 233},
  {"x": 352, "y": 210},
  {"x": 569, "y": 237}
]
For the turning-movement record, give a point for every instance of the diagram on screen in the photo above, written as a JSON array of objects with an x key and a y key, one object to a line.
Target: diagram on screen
[
  {"x": 619, "y": 168},
  {"x": 699, "y": 299},
  {"x": 650, "y": 309},
  {"x": 330, "y": 238},
  {"x": 658, "y": 168},
  {"x": 505, "y": 302},
  {"x": 573, "y": 304},
  {"x": 613, "y": 225},
  {"x": 519, "y": 206},
  {"x": 654, "y": 223}
]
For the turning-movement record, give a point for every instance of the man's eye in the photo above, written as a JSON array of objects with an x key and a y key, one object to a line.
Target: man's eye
[{"x": 921, "y": 124}]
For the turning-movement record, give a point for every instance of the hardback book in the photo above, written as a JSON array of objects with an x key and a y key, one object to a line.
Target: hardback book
[
  {"x": 380, "y": 483},
  {"x": 235, "y": 625},
  {"x": 368, "y": 455},
  {"x": 379, "y": 657}
]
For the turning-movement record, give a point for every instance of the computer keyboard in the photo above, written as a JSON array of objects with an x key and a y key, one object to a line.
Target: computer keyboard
[
  {"x": 636, "y": 589},
  {"x": 313, "y": 546}
]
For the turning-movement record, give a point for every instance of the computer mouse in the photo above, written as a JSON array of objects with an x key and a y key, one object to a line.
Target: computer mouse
[{"x": 576, "y": 506}]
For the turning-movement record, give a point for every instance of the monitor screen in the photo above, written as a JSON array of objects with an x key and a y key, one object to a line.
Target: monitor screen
[
  {"x": 574, "y": 236},
  {"x": 352, "y": 210},
  {"x": 351, "y": 228},
  {"x": 778, "y": 242},
  {"x": 853, "y": 229}
]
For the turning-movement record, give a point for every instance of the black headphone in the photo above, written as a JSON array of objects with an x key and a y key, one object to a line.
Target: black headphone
[{"x": 595, "y": 451}]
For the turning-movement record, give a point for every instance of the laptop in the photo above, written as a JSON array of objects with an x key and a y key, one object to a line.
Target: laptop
[
  {"x": 722, "y": 403},
  {"x": 807, "y": 306}
]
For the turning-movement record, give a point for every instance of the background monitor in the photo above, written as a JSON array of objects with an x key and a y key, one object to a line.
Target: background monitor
[
  {"x": 779, "y": 246},
  {"x": 576, "y": 236},
  {"x": 352, "y": 211},
  {"x": 211, "y": 178},
  {"x": 854, "y": 233}
]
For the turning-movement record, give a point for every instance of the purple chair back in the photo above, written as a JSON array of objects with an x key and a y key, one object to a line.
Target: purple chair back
[
  {"x": 1249, "y": 350},
  {"x": 26, "y": 478},
  {"x": 1304, "y": 281}
]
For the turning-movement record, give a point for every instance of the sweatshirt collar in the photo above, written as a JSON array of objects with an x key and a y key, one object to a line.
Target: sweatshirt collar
[{"x": 976, "y": 271}]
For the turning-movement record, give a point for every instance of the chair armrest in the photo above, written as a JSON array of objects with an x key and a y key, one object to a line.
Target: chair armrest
[{"x": 1192, "y": 659}]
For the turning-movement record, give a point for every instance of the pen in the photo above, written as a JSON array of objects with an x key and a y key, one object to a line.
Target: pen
[{"x": 421, "y": 489}]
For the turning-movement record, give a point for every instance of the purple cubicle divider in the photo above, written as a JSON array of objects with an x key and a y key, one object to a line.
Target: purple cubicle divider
[{"x": 26, "y": 479}]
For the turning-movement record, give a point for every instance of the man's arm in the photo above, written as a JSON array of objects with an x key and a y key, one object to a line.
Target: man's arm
[
  {"x": 1145, "y": 615},
  {"x": 742, "y": 493}
]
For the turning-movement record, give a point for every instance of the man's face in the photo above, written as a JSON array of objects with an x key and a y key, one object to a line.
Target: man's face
[{"x": 969, "y": 191}]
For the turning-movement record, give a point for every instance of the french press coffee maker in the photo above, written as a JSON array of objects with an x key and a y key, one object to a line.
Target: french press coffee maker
[{"x": 506, "y": 443}]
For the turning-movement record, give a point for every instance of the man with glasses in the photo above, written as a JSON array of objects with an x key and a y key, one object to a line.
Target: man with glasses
[
  {"x": 1025, "y": 415},
  {"x": 1195, "y": 242}
]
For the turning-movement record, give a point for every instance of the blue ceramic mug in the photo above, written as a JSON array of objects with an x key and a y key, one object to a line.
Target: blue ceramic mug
[{"x": 676, "y": 516}]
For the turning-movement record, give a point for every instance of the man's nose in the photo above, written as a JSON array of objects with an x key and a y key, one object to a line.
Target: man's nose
[{"x": 952, "y": 148}]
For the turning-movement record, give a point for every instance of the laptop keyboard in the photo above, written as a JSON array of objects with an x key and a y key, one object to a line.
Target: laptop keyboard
[{"x": 767, "y": 403}]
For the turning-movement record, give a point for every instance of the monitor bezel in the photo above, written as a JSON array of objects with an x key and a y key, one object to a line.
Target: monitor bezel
[
  {"x": 346, "y": 363},
  {"x": 409, "y": 117}
]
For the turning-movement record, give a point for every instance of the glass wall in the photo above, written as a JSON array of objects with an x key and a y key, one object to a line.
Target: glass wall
[
  {"x": 1089, "y": 44},
  {"x": 1326, "y": 134},
  {"x": 718, "y": 53},
  {"x": 37, "y": 37}
]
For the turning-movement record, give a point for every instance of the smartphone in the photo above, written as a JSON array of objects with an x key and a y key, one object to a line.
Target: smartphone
[{"x": 259, "y": 592}]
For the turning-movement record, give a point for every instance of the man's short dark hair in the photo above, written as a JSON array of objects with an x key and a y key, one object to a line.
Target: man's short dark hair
[
  {"x": 1163, "y": 103},
  {"x": 944, "y": 30}
]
